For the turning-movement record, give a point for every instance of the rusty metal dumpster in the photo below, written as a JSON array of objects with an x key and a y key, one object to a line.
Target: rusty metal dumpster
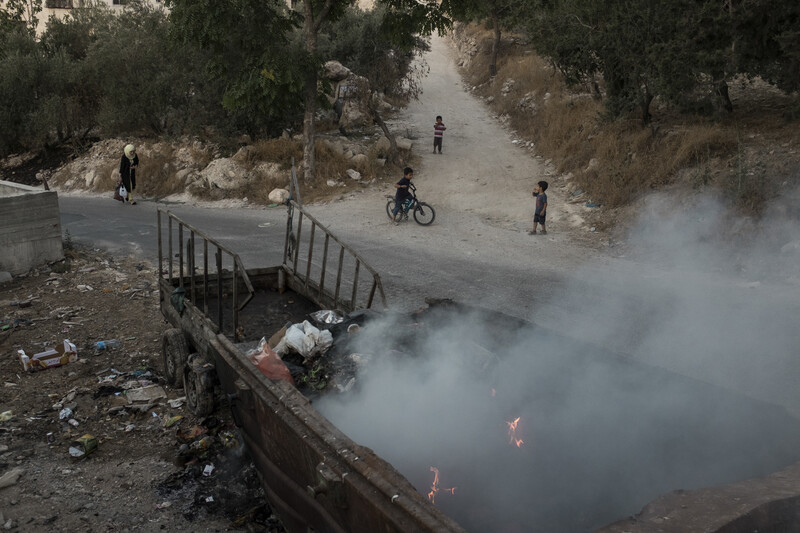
[{"x": 315, "y": 477}]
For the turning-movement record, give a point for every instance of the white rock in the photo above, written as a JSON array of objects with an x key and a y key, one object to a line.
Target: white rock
[
  {"x": 383, "y": 145},
  {"x": 336, "y": 146},
  {"x": 224, "y": 173},
  {"x": 354, "y": 174},
  {"x": 336, "y": 71},
  {"x": 404, "y": 144},
  {"x": 269, "y": 171},
  {"x": 90, "y": 178},
  {"x": 278, "y": 196},
  {"x": 185, "y": 174}
]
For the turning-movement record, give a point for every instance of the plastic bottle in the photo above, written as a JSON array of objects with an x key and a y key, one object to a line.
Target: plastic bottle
[{"x": 108, "y": 345}]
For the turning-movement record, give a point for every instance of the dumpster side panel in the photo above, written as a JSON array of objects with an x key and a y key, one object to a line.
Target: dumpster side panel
[{"x": 314, "y": 475}]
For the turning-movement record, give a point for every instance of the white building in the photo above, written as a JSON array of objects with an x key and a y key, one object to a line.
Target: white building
[{"x": 60, "y": 8}]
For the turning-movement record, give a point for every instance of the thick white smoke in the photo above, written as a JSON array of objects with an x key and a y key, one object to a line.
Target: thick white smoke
[{"x": 676, "y": 371}]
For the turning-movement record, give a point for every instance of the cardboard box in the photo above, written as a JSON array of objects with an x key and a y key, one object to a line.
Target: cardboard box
[{"x": 57, "y": 356}]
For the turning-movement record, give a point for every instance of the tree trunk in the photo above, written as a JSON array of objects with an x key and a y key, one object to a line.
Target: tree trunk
[
  {"x": 495, "y": 46},
  {"x": 596, "y": 93},
  {"x": 309, "y": 170},
  {"x": 724, "y": 99},
  {"x": 647, "y": 98},
  {"x": 309, "y": 166},
  {"x": 394, "y": 154}
]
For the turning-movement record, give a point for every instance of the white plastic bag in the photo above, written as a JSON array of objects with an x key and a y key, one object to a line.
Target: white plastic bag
[
  {"x": 324, "y": 341},
  {"x": 305, "y": 339},
  {"x": 327, "y": 317},
  {"x": 297, "y": 340},
  {"x": 123, "y": 191}
]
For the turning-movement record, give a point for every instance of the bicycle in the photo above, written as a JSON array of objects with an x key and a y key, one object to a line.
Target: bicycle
[{"x": 423, "y": 213}]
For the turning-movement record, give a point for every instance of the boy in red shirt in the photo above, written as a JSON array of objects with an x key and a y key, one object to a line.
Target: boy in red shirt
[{"x": 438, "y": 132}]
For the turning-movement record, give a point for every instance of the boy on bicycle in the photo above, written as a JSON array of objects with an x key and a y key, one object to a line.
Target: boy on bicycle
[{"x": 402, "y": 194}]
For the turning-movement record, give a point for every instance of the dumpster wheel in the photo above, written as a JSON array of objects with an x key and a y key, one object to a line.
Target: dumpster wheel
[
  {"x": 199, "y": 380},
  {"x": 174, "y": 353}
]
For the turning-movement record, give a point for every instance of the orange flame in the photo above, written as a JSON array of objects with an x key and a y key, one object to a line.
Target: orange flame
[
  {"x": 512, "y": 430},
  {"x": 435, "y": 486}
]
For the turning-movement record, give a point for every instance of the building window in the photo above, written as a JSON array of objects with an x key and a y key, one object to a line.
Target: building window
[{"x": 58, "y": 4}]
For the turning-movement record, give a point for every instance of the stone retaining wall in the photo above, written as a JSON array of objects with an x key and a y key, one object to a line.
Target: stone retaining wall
[{"x": 30, "y": 227}]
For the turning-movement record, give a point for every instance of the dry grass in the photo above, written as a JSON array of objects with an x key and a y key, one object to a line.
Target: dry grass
[
  {"x": 280, "y": 150},
  {"x": 330, "y": 165},
  {"x": 615, "y": 162}
]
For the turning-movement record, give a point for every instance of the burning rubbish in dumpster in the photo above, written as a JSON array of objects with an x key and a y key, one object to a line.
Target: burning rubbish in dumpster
[
  {"x": 610, "y": 434},
  {"x": 435, "y": 486},
  {"x": 512, "y": 433}
]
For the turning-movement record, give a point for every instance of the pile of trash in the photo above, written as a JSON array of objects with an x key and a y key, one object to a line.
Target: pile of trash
[
  {"x": 216, "y": 477},
  {"x": 330, "y": 356},
  {"x": 315, "y": 357}
]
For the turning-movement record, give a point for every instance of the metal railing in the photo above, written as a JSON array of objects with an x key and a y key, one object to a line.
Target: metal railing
[
  {"x": 339, "y": 291},
  {"x": 210, "y": 286}
]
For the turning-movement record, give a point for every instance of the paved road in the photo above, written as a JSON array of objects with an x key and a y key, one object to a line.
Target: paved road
[{"x": 410, "y": 273}]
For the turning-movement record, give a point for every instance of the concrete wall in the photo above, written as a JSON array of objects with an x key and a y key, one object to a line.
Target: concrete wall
[{"x": 30, "y": 227}]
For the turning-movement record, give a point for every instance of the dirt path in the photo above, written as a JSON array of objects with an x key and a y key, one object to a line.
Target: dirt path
[
  {"x": 482, "y": 170},
  {"x": 480, "y": 187}
]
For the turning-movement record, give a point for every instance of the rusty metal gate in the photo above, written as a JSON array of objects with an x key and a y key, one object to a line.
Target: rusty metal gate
[{"x": 332, "y": 278}]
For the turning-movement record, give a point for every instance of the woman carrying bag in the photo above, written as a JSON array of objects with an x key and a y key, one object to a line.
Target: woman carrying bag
[{"x": 127, "y": 173}]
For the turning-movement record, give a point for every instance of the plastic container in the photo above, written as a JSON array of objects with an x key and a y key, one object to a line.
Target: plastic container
[{"x": 108, "y": 345}]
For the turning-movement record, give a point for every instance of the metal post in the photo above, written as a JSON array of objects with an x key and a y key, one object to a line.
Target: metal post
[
  {"x": 310, "y": 253},
  {"x": 205, "y": 276},
  {"x": 338, "y": 278},
  {"x": 170, "y": 251},
  {"x": 160, "y": 254},
  {"x": 219, "y": 289},
  {"x": 180, "y": 252},
  {"x": 355, "y": 285},
  {"x": 235, "y": 301},
  {"x": 324, "y": 265},
  {"x": 190, "y": 264},
  {"x": 297, "y": 243}
]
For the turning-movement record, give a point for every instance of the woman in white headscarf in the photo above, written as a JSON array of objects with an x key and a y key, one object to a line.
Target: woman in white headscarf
[{"x": 127, "y": 171}]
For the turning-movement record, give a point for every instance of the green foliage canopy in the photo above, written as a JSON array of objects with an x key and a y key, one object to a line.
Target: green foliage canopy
[
  {"x": 248, "y": 45},
  {"x": 680, "y": 51}
]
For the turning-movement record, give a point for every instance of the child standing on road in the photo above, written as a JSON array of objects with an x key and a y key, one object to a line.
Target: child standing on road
[
  {"x": 438, "y": 133},
  {"x": 541, "y": 207},
  {"x": 402, "y": 193}
]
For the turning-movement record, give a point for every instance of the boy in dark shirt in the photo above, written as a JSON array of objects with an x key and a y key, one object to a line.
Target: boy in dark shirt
[
  {"x": 541, "y": 207},
  {"x": 402, "y": 193}
]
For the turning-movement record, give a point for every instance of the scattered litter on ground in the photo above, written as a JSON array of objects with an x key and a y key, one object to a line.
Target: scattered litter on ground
[
  {"x": 177, "y": 402},
  {"x": 52, "y": 357},
  {"x": 171, "y": 421},
  {"x": 146, "y": 394},
  {"x": 83, "y": 446},
  {"x": 107, "y": 345}
]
